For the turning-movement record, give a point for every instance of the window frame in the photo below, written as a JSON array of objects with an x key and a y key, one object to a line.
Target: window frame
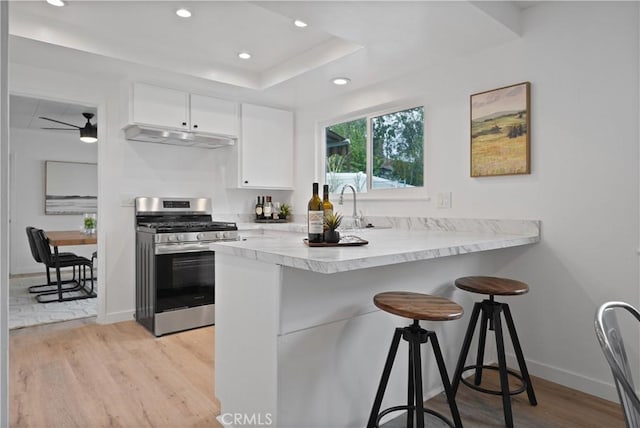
[{"x": 405, "y": 193}]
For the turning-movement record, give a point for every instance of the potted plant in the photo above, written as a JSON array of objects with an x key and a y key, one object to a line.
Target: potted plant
[
  {"x": 332, "y": 222},
  {"x": 89, "y": 223},
  {"x": 285, "y": 211}
]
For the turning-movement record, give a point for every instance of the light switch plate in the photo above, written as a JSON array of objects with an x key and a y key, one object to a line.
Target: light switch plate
[{"x": 444, "y": 200}]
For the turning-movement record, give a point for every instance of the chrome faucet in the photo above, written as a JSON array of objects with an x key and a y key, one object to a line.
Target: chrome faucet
[{"x": 356, "y": 219}]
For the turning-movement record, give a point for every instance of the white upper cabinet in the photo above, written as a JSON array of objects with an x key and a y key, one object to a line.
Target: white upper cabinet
[
  {"x": 214, "y": 115},
  {"x": 170, "y": 108},
  {"x": 153, "y": 105},
  {"x": 266, "y": 148}
]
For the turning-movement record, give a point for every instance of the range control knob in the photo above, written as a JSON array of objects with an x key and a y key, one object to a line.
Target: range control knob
[
  {"x": 200, "y": 236},
  {"x": 220, "y": 235},
  {"x": 172, "y": 238}
]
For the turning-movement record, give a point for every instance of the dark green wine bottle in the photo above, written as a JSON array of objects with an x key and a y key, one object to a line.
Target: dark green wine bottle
[{"x": 315, "y": 216}]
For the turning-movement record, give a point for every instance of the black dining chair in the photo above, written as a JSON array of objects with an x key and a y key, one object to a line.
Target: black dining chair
[
  {"x": 44, "y": 251},
  {"x": 94, "y": 256},
  {"x": 49, "y": 286}
]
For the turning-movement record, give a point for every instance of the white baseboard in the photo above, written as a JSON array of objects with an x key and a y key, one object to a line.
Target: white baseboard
[
  {"x": 577, "y": 381},
  {"x": 114, "y": 317}
]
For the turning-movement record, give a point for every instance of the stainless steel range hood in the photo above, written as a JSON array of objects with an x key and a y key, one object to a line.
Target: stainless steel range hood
[{"x": 149, "y": 134}]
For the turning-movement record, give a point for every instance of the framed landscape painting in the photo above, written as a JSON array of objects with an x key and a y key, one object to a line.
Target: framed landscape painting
[
  {"x": 70, "y": 188},
  {"x": 500, "y": 131}
]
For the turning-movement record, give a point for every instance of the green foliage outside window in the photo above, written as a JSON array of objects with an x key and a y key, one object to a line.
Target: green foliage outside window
[
  {"x": 397, "y": 151},
  {"x": 398, "y": 147}
]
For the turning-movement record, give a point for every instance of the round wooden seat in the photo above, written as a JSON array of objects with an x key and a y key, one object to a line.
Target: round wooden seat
[
  {"x": 418, "y": 306},
  {"x": 492, "y": 285}
]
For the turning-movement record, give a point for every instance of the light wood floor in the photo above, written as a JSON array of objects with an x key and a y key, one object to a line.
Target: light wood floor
[
  {"x": 115, "y": 375},
  {"x": 558, "y": 406},
  {"x": 86, "y": 375}
]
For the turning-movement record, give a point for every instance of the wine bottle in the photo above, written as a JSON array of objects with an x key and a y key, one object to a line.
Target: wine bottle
[
  {"x": 315, "y": 215},
  {"x": 267, "y": 209},
  {"x": 327, "y": 206},
  {"x": 259, "y": 209}
]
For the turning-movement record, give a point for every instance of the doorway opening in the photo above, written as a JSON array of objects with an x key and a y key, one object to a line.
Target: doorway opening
[{"x": 53, "y": 187}]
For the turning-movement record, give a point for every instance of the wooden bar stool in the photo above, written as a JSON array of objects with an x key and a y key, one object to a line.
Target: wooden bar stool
[
  {"x": 491, "y": 311},
  {"x": 417, "y": 307}
]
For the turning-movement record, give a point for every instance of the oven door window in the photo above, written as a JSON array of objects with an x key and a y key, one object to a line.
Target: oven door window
[{"x": 184, "y": 280}]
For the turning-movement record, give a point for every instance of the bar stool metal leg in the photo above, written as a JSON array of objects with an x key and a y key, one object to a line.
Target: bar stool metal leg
[
  {"x": 481, "y": 345},
  {"x": 466, "y": 344},
  {"x": 519, "y": 355},
  {"x": 411, "y": 389},
  {"x": 393, "y": 350},
  {"x": 417, "y": 371},
  {"x": 445, "y": 381},
  {"x": 502, "y": 368}
]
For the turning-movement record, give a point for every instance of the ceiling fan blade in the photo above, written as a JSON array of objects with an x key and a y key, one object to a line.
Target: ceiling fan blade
[
  {"x": 58, "y": 121},
  {"x": 62, "y": 129}
]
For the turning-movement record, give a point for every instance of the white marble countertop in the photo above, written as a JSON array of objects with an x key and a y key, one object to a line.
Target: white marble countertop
[{"x": 386, "y": 247}]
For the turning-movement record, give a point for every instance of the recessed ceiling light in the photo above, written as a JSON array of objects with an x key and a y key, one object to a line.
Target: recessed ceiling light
[
  {"x": 299, "y": 23},
  {"x": 58, "y": 3},
  {"x": 244, "y": 55},
  {"x": 183, "y": 13},
  {"x": 341, "y": 81}
]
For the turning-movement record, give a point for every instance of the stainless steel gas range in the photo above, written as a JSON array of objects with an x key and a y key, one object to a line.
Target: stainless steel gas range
[{"x": 175, "y": 266}]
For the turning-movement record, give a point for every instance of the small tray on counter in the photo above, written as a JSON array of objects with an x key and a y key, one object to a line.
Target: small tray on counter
[
  {"x": 350, "y": 241},
  {"x": 271, "y": 220}
]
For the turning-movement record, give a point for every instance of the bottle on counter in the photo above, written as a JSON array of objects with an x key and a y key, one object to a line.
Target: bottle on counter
[
  {"x": 267, "y": 209},
  {"x": 276, "y": 210},
  {"x": 327, "y": 206},
  {"x": 259, "y": 209},
  {"x": 315, "y": 216}
]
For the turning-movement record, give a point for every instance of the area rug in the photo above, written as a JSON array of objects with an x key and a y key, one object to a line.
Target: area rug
[{"x": 25, "y": 311}]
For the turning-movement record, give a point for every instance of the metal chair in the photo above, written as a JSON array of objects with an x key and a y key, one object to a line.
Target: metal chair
[
  {"x": 49, "y": 286},
  {"x": 611, "y": 342}
]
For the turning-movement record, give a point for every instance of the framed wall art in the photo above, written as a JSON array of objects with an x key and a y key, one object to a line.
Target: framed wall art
[
  {"x": 500, "y": 131},
  {"x": 70, "y": 188}
]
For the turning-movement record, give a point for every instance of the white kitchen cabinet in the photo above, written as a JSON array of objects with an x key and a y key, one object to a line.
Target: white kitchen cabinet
[
  {"x": 214, "y": 115},
  {"x": 266, "y": 148},
  {"x": 153, "y": 105},
  {"x": 174, "y": 109}
]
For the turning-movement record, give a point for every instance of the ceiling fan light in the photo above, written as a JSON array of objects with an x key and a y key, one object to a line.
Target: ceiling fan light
[
  {"x": 88, "y": 139},
  {"x": 89, "y": 135},
  {"x": 57, "y": 3}
]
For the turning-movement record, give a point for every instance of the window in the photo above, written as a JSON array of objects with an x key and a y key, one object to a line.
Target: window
[{"x": 393, "y": 158}]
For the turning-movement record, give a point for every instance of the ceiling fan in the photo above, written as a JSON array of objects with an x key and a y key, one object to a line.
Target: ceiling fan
[{"x": 88, "y": 133}]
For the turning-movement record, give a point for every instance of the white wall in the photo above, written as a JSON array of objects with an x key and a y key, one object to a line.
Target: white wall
[
  {"x": 29, "y": 150},
  {"x": 582, "y": 62}
]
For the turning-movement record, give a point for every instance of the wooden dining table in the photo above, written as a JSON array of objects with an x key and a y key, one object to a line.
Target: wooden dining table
[{"x": 60, "y": 238}]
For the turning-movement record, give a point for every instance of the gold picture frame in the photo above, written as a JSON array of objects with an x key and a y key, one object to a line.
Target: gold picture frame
[{"x": 500, "y": 122}]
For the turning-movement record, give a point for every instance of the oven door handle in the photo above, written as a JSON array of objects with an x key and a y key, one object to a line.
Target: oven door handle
[{"x": 177, "y": 248}]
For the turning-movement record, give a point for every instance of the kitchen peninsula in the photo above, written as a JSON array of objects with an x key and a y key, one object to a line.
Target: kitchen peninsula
[{"x": 298, "y": 339}]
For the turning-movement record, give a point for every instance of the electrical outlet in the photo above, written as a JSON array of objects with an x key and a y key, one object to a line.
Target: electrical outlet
[{"x": 444, "y": 200}]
